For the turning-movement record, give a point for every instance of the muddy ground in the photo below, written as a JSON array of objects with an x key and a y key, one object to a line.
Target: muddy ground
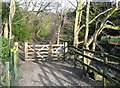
[{"x": 53, "y": 73}]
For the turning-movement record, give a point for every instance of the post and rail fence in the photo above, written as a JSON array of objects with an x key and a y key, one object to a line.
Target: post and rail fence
[
  {"x": 11, "y": 70},
  {"x": 31, "y": 52},
  {"x": 58, "y": 50},
  {"x": 103, "y": 62}
]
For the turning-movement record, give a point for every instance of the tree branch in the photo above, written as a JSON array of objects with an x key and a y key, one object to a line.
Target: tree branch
[
  {"x": 96, "y": 17},
  {"x": 112, "y": 27},
  {"x": 103, "y": 23},
  {"x": 71, "y": 3}
]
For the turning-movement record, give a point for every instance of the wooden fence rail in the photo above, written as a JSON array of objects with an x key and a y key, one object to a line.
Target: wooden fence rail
[{"x": 104, "y": 63}]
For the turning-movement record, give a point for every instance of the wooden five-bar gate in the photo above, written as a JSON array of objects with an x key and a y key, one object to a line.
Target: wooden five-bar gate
[{"x": 34, "y": 51}]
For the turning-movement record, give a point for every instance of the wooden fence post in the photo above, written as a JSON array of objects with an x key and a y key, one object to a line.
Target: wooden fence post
[
  {"x": 26, "y": 51},
  {"x": 104, "y": 72},
  {"x": 65, "y": 50},
  {"x": 75, "y": 60},
  {"x": 11, "y": 55},
  {"x": 15, "y": 58},
  {"x": 7, "y": 74}
]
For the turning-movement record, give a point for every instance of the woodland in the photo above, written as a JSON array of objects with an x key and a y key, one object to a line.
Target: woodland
[{"x": 83, "y": 26}]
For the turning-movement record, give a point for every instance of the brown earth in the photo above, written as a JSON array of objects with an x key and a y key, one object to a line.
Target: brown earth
[{"x": 53, "y": 73}]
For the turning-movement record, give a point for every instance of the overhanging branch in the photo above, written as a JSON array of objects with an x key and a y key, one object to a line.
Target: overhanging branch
[
  {"x": 102, "y": 26},
  {"x": 96, "y": 17},
  {"x": 112, "y": 27}
]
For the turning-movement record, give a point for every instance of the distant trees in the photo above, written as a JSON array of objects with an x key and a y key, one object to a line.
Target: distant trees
[
  {"x": 68, "y": 26},
  {"x": 28, "y": 25},
  {"x": 20, "y": 28}
]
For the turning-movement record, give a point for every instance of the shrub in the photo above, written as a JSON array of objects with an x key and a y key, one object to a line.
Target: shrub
[{"x": 4, "y": 49}]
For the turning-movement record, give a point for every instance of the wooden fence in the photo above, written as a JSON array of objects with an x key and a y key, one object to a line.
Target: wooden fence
[
  {"x": 11, "y": 71},
  {"x": 42, "y": 52},
  {"x": 105, "y": 63}
]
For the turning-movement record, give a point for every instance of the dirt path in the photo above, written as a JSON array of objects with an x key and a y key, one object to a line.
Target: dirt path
[{"x": 55, "y": 73}]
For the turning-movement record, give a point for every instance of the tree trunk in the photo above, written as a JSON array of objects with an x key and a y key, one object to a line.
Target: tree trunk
[
  {"x": 60, "y": 26},
  {"x": 77, "y": 22},
  {"x": 87, "y": 25},
  {"x": 86, "y": 61},
  {"x": 11, "y": 15},
  {"x": 58, "y": 34},
  {"x": 6, "y": 30},
  {"x": 77, "y": 26}
]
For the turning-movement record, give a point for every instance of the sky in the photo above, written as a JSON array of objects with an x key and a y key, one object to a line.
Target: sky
[{"x": 65, "y": 4}]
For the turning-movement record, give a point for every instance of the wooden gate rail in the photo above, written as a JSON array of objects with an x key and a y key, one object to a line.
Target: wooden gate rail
[
  {"x": 40, "y": 52},
  {"x": 104, "y": 63},
  {"x": 21, "y": 50}
]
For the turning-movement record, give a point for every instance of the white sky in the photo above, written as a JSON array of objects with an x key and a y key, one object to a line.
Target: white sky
[{"x": 65, "y": 3}]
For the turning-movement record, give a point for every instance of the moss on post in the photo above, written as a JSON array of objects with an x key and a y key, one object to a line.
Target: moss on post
[
  {"x": 15, "y": 56},
  {"x": 7, "y": 74}
]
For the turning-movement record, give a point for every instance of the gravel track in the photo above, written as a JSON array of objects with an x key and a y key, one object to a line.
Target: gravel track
[{"x": 52, "y": 73}]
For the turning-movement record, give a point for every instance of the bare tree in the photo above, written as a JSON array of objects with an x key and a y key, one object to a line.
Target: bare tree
[
  {"x": 77, "y": 22},
  {"x": 87, "y": 61},
  {"x": 6, "y": 30},
  {"x": 103, "y": 25},
  {"x": 93, "y": 39},
  {"x": 11, "y": 15}
]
